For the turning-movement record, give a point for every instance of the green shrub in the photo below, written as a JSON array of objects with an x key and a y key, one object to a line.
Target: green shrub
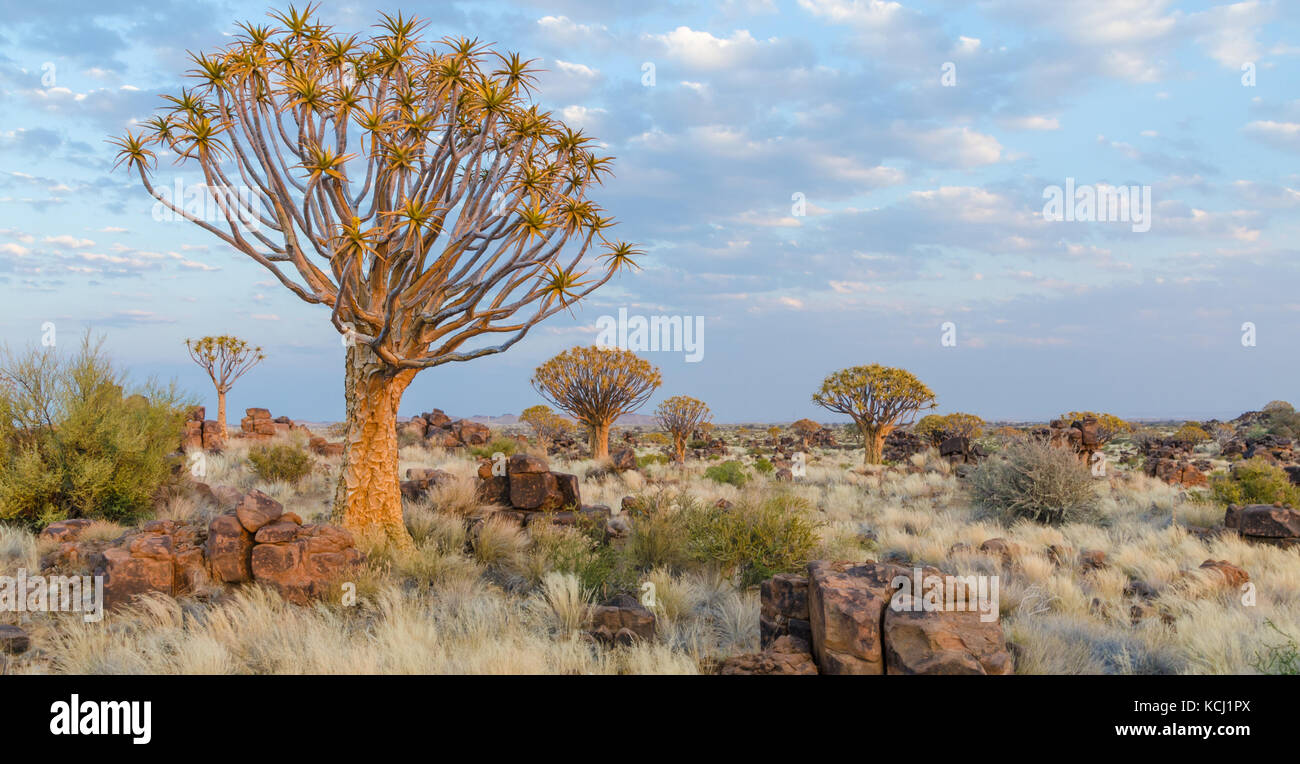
[
  {"x": 754, "y": 539},
  {"x": 1036, "y": 481},
  {"x": 1255, "y": 481},
  {"x": 731, "y": 472},
  {"x": 658, "y": 535},
  {"x": 75, "y": 442},
  {"x": 280, "y": 462},
  {"x": 644, "y": 461},
  {"x": 507, "y": 446},
  {"x": 764, "y": 466}
]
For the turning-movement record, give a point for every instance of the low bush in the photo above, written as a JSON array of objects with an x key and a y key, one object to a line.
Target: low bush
[
  {"x": 1036, "y": 481},
  {"x": 644, "y": 461},
  {"x": 507, "y": 446},
  {"x": 1255, "y": 481},
  {"x": 280, "y": 462},
  {"x": 755, "y": 539},
  {"x": 731, "y": 472}
]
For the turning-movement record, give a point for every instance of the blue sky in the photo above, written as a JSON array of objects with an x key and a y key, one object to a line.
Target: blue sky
[{"x": 923, "y": 201}]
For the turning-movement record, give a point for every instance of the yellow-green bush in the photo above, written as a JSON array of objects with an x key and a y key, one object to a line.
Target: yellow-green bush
[
  {"x": 1255, "y": 481},
  {"x": 76, "y": 442},
  {"x": 280, "y": 462},
  {"x": 755, "y": 539}
]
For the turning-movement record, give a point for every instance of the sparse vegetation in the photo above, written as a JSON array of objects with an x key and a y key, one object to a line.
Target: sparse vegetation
[
  {"x": 283, "y": 462},
  {"x": 1035, "y": 481}
]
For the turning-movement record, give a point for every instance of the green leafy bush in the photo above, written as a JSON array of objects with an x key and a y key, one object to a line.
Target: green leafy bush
[
  {"x": 731, "y": 472},
  {"x": 754, "y": 539},
  {"x": 764, "y": 466},
  {"x": 507, "y": 446},
  {"x": 1255, "y": 481},
  {"x": 280, "y": 462},
  {"x": 75, "y": 442},
  {"x": 644, "y": 461},
  {"x": 1033, "y": 480}
]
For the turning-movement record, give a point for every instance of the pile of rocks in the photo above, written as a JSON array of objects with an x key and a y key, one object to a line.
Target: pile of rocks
[
  {"x": 621, "y": 620},
  {"x": 256, "y": 542},
  {"x": 900, "y": 445},
  {"x": 258, "y": 424},
  {"x": 1175, "y": 469},
  {"x": 528, "y": 489},
  {"x": 960, "y": 450},
  {"x": 845, "y": 610},
  {"x": 322, "y": 447},
  {"x": 1273, "y": 524},
  {"x": 201, "y": 433},
  {"x": 437, "y": 429},
  {"x": 420, "y": 480},
  {"x": 1082, "y": 435}
]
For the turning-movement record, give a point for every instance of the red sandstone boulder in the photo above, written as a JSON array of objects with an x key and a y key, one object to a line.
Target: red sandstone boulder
[
  {"x": 257, "y": 509},
  {"x": 229, "y": 548}
]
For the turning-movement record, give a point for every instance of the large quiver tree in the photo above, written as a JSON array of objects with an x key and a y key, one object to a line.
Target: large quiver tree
[
  {"x": 596, "y": 386},
  {"x": 877, "y": 398},
  {"x": 412, "y": 189}
]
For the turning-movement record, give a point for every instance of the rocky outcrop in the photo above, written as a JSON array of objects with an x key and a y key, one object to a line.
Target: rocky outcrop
[
  {"x": 528, "y": 485},
  {"x": 258, "y": 424},
  {"x": 419, "y": 481},
  {"x": 861, "y": 624},
  {"x": 783, "y": 609},
  {"x": 1272, "y": 524},
  {"x": 437, "y": 429},
  {"x": 164, "y": 556},
  {"x": 200, "y": 433},
  {"x": 621, "y": 620},
  {"x": 322, "y": 447},
  {"x": 257, "y": 541}
]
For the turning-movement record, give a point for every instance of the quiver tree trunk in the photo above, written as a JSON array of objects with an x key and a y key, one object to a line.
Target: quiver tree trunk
[
  {"x": 599, "y": 440},
  {"x": 368, "y": 501},
  {"x": 221, "y": 413},
  {"x": 679, "y": 448},
  {"x": 873, "y": 442}
]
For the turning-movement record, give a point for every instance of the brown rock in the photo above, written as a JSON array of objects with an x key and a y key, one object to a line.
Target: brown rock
[
  {"x": 1268, "y": 521},
  {"x": 1001, "y": 548},
  {"x": 277, "y": 532},
  {"x": 65, "y": 530},
  {"x": 229, "y": 548},
  {"x": 623, "y": 459},
  {"x": 624, "y": 612},
  {"x": 526, "y": 463},
  {"x": 1233, "y": 576},
  {"x": 126, "y": 576},
  {"x": 846, "y": 604},
  {"x": 944, "y": 642},
  {"x": 257, "y": 509},
  {"x": 530, "y": 490},
  {"x": 495, "y": 490}
]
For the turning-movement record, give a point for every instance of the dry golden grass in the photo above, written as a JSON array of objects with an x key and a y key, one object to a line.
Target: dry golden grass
[{"x": 486, "y": 597}]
